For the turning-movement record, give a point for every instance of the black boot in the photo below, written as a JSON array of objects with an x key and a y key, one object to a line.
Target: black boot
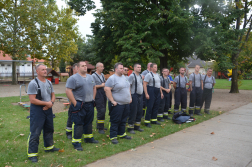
[
  {"x": 147, "y": 125},
  {"x": 155, "y": 122},
  {"x": 138, "y": 128},
  {"x": 131, "y": 130},
  {"x": 206, "y": 111},
  {"x": 191, "y": 112},
  {"x": 91, "y": 140}
]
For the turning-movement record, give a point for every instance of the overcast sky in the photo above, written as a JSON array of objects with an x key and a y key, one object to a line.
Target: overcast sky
[{"x": 84, "y": 22}]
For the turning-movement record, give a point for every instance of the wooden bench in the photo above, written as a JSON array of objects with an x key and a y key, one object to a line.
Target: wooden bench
[
  {"x": 66, "y": 104},
  {"x": 60, "y": 98}
]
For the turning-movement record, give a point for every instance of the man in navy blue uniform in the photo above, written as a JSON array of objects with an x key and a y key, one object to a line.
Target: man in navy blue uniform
[{"x": 41, "y": 95}]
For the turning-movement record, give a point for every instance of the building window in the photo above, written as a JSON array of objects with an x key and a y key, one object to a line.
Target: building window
[
  {"x": 8, "y": 65},
  {"x": 28, "y": 65},
  {"x": 2, "y": 65}
]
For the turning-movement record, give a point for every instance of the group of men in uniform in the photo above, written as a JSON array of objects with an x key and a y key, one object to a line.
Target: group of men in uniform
[{"x": 127, "y": 98}]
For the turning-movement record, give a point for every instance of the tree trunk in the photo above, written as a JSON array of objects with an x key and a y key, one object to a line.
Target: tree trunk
[
  {"x": 234, "y": 84},
  {"x": 14, "y": 74},
  {"x": 163, "y": 63}
]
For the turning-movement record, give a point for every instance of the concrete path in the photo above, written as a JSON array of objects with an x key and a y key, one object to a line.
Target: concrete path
[{"x": 230, "y": 145}]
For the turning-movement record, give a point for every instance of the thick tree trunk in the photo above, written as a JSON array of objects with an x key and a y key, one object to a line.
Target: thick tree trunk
[
  {"x": 163, "y": 63},
  {"x": 234, "y": 84},
  {"x": 14, "y": 74}
]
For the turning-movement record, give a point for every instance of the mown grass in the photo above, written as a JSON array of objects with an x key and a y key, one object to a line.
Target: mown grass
[
  {"x": 225, "y": 84},
  {"x": 13, "y": 146}
]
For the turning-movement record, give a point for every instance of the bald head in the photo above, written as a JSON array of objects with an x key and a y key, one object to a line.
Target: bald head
[{"x": 99, "y": 67}]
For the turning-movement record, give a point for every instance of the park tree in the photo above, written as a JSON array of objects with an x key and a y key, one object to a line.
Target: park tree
[
  {"x": 61, "y": 38},
  {"x": 22, "y": 29},
  {"x": 141, "y": 30},
  {"x": 62, "y": 65},
  {"x": 224, "y": 34},
  {"x": 81, "y": 6}
]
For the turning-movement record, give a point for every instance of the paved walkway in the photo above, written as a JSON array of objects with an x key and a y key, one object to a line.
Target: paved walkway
[{"x": 230, "y": 145}]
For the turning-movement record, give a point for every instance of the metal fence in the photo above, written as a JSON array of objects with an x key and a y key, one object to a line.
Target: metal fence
[{"x": 21, "y": 77}]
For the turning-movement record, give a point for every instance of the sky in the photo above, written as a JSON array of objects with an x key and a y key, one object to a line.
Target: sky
[{"x": 85, "y": 21}]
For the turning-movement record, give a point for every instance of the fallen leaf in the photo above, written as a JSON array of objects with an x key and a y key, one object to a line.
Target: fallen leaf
[
  {"x": 212, "y": 133},
  {"x": 151, "y": 135},
  {"x": 103, "y": 143},
  {"x": 220, "y": 112},
  {"x": 215, "y": 159},
  {"x": 151, "y": 142},
  {"x": 108, "y": 136},
  {"x": 103, "y": 139},
  {"x": 96, "y": 146},
  {"x": 142, "y": 138},
  {"x": 61, "y": 150},
  {"x": 21, "y": 134}
]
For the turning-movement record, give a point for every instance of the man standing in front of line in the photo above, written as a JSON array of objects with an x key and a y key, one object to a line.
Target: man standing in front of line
[
  {"x": 117, "y": 89},
  {"x": 69, "y": 123},
  {"x": 81, "y": 115},
  {"x": 165, "y": 102},
  {"x": 179, "y": 85},
  {"x": 136, "y": 86},
  {"x": 207, "y": 86},
  {"x": 153, "y": 94},
  {"x": 42, "y": 97},
  {"x": 196, "y": 91},
  {"x": 100, "y": 99}
]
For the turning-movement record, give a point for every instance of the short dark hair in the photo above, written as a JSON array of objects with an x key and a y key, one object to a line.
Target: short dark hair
[
  {"x": 74, "y": 65},
  {"x": 153, "y": 64},
  {"x": 209, "y": 69},
  {"x": 164, "y": 69},
  {"x": 136, "y": 64},
  {"x": 78, "y": 64},
  {"x": 117, "y": 64}
]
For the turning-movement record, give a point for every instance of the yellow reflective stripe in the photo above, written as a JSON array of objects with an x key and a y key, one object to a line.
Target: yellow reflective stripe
[
  {"x": 112, "y": 138},
  {"x": 109, "y": 125},
  {"x": 146, "y": 121},
  {"x": 68, "y": 130},
  {"x": 32, "y": 154},
  {"x": 88, "y": 135},
  {"x": 28, "y": 143},
  {"x": 100, "y": 121},
  {"x": 153, "y": 119},
  {"x": 160, "y": 115},
  {"x": 169, "y": 109},
  {"x": 76, "y": 140},
  {"x": 165, "y": 114},
  {"x": 137, "y": 124},
  {"x": 73, "y": 139},
  {"x": 197, "y": 108},
  {"x": 49, "y": 148},
  {"x": 122, "y": 135}
]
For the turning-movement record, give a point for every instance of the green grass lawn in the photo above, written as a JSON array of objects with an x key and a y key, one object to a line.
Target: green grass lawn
[
  {"x": 225, "y": 84},
  {"x": 14, "y": 128}
]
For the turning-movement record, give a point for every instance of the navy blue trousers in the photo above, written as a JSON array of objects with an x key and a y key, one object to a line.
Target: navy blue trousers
[
  {"x": 82, "y": 117},
  {"x": 136, "y": 111},
  {"x": 164, "y": 105},
  {"x": 69, "y": 124},
  {"x": 206, "y": 98},
  {"x": 118, "y": 118},
  {"x": 195, "y": 100},
  {"x": 152, "y": 104},
  {"x": 40, "y": 120},
  {"x": 180, "y": 97},
  {"x": 100, "y": 101}
]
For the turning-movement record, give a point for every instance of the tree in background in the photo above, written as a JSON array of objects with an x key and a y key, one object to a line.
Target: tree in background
[
  {"x": 62, "y": 65},
  {"x": 22, "y": 29},
  {"x": 140, "y": 30},
  {"x": 81, "y": 6},
  {"x": 224, "y": 35}
]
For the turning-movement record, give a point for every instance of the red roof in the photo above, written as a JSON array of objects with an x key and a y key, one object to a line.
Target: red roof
[
  {"x": 7, "y": 57},
  {"x": 89, "y": 66}
]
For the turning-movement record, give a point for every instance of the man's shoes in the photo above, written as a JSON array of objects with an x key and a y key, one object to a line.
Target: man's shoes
[
  {"x": 140, "y": 130},
  {"x": 156, "y": 122},
  {"x": 54, "y": 115},
  {"x": 207, "y": 112},
  {"x": 126, "y": 137},
  {"x": 101, "y": 131},
  {"x": 69, "y": 136},
  {"x": 52, "y": 150},
  {"x": 114, "y": 141},
  {"x": 132, "y": 132},
  {"x": 161, "y": 120},
  {"x": 148, "y": 125},
  {"x": 33, "y": 159},
  {"x": 92, "y": 140},
  {"x": 79, "y": 148}
]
